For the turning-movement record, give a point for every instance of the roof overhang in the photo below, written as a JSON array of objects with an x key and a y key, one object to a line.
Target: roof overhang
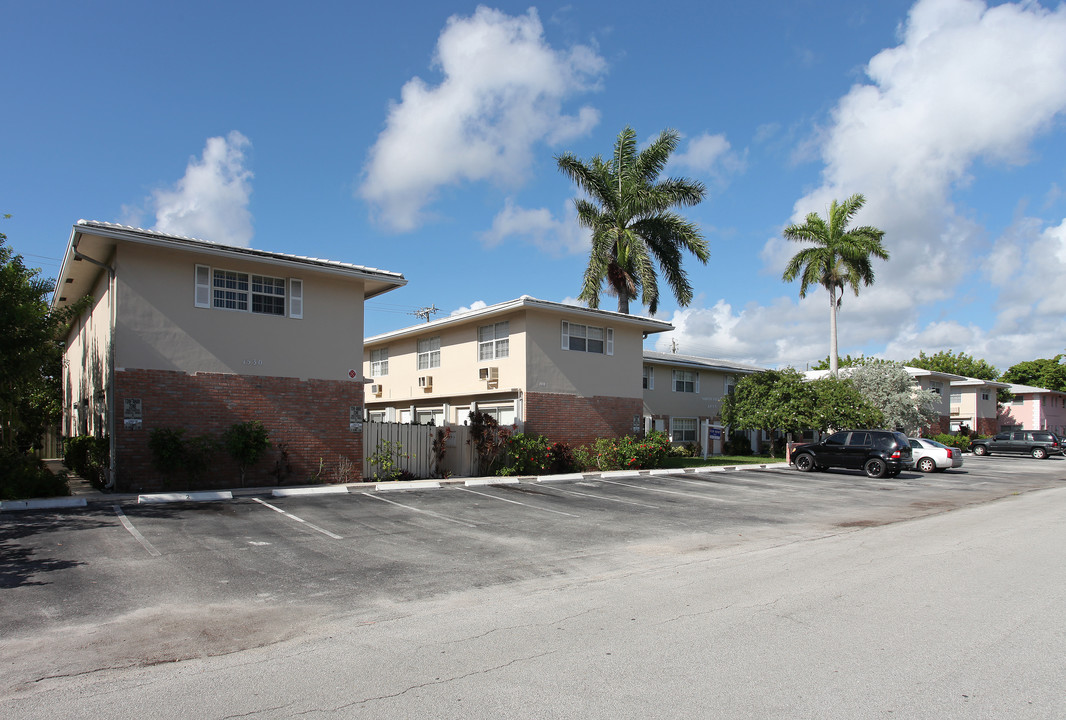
[
  {"x": 647, "y": 325},
  {"x": 92, "y": 246}
]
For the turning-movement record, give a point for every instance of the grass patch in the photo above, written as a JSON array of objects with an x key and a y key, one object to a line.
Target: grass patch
[{"x": 687, "y": 462}]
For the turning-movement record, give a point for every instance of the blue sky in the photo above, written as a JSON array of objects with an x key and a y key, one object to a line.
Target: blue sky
[{"x": 419, "y": 137}]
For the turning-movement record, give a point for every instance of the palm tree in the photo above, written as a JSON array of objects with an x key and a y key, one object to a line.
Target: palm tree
[
  {"x": 839, "y": 257},
  {"x": 629, "y": 211}
]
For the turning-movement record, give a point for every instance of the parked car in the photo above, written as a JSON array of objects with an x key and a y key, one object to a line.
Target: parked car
[
  {"x": 930, "y": 455},
  {"x": 879, "y": 453},
  {"x": 1038, "y": 443}
]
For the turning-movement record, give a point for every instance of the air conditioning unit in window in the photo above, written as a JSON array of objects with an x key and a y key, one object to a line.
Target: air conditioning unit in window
[
  {"x": 425, "y": 382},
  {"x": 490, "y": 375},
  {"x": 375, "y": 390}
]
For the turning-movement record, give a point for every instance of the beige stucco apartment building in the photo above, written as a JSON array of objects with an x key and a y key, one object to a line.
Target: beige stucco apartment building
[
  {"x": 683, "y": 396},
  {"x": 974, "y": 405},
  {"x": 569, "y": 373},
  {"x": 184, "y": 333}
]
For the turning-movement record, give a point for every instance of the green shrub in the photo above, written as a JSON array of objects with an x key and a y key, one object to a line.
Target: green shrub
[
  {"x": 956, "y": 441},
  {"x": 22, "y": 476},
  {"x": 527, "y": 455},
  {"x": 246, "y": 442},
  {"x": 173, "y": 454},
  {"x": 89, "y": 458},
  {"x": 385, "y": 463},
  {"x": 627, "y": 453},
  {"x": 738, "y": 444}
]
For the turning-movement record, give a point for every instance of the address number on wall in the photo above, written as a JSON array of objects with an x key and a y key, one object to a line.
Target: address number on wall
[{"x": 253, "y": 362}]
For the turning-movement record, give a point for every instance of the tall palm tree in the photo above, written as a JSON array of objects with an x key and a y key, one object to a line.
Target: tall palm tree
[
  {"x": 839, "y": 257},
  {"x": 629, "y": 211}
]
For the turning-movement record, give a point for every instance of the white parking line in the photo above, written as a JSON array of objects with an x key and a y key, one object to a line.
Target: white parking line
[
  {"x": 314, "y": 527},
  {"x": 669, "y": 492},
  {"x": 136, "y": 533},
  {"x": 419, "y": 510},
  {"x": 609, "y": 499},
  {"x": 515, "y": 502}
]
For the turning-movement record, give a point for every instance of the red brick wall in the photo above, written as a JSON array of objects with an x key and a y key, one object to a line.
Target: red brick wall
[
  {"x": 309, "y": 417},
  {"x": 986, "y": 426},
  {"x": 580, "y": 420}
]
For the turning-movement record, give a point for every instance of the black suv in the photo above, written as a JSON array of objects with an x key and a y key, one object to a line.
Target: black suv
[
  {"x": 879, "y": 453},
  {"x": 1038, "y": 443}
]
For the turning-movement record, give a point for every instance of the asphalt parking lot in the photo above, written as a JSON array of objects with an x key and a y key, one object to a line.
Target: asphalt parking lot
[{"x": 153, "y": 583}]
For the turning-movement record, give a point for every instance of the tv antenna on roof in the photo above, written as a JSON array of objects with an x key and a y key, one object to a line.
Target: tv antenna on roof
[{"x": 426, "y": 312}]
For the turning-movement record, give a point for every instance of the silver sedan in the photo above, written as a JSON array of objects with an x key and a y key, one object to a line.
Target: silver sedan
[{"x": 929, "y": 455}]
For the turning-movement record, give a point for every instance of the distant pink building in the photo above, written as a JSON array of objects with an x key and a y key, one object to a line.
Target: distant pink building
[{"x": 1034, "y": 408}]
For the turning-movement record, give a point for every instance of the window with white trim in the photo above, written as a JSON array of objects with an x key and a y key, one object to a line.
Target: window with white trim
[
  {"x": 429, "y": 353},
  {"x": 379, "y": 362},
  {"x": 937, "y": 387},
  {"x": 683, "y": 429},
  {"x": 245, "y": 292},
  {"x": 956, "y": 398},
  {"x": 493, "y": 341},
  {"x": 686, "y": 381},
  {"x": 984, "y": 396},
  {"x": 649, "y": 377},
  {"x": 588, "y": 338}
]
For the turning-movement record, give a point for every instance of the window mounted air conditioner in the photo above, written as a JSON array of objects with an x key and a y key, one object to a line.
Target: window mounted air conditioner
[
  {"x": 375, "y": 390},
  {"x": 425, "y": 382}
]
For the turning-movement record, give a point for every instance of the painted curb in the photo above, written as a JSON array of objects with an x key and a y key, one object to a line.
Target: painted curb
[
  {"x": 323, "y": 490},
  {"x": 45, "y": 504},
  {"x": 157, "y": 498},
  {"x": 560, "y": 478},
  {"x": 472, "y": 482},
  {"x": 620, "y": 473},
  {"x": 407, "y": 485}
]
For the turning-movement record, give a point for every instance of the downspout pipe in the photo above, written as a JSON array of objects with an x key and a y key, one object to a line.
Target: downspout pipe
[{"x": 110, "y": 389}]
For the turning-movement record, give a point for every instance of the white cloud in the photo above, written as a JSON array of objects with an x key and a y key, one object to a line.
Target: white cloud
[
  {"x": 211, "y": 201},
  {"x": 967, "y": 83},
  {"x": 502, "y": 91},
  {"x": 539, "y": 228},
  {"x": 476, "y": 305},
  {"x": 710, "y": 155}
]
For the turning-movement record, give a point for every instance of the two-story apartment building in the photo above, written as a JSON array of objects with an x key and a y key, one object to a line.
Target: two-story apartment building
[
  {"x": 683, "y": 394},
  {"x": 1034, "y": 408},
  {"x": 974, "y": 405},
  {"x": 196, "y": 335},
  {"x": 569, "y": 373}
]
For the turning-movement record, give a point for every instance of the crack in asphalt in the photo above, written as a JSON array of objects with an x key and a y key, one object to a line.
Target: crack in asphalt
[{"x": 432, "y": 683}]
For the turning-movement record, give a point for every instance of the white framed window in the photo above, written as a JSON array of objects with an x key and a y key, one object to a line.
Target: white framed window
[
  {"x": 1017, "y": 400},
  {"x": 502, "y": 414},
  {"x": 377, "y": 416},
  {"x": 379, "y": 362},
  {"x": 937, "y": 387},
  {"x": 493, "y": 341},
  {"x": 683, "y": 429},
  {"x": 430, "y": 416},
  {"x": 429, "y": 353},
  {"x": 268, "y": 295},
  {"x": 956, "y": 398},
  {"x": 229, "y": 290},
  {"x": 588, "y": 338},
  {"x": 984, "y": 396},
  {"x": 649, "y": 377},
  {"x": 686, "y": 381},
  {"x": 261, "y": 294}
]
